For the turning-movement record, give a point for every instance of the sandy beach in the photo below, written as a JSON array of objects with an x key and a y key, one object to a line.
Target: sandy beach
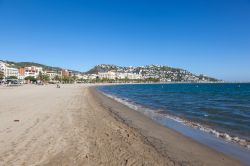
[{"x": 76, "y": 125}]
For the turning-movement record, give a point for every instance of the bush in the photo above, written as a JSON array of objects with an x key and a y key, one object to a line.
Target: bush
[
  {"x": 11, "y": 77},
  {"x": 31, "y": 78}
]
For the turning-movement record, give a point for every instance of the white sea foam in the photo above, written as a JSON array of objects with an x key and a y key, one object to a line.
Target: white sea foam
[{"x": 157, "y": 113}]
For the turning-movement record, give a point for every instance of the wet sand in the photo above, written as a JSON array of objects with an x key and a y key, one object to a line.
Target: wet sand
[{"x": 76, "y": 125}]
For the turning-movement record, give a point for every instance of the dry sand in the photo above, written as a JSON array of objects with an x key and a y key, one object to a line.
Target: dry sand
[{"x": 75, "y": 125}]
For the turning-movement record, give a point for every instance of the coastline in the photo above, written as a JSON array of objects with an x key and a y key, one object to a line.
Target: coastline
[
  {"x": 220, "y": 141},
  {"x": 224, "y": 135},
  {"x": 77, "y": 125},
  {"x": 168, "y": 142}
]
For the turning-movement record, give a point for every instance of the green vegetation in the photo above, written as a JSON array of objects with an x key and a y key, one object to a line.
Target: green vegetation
[
  {"x": 67, "y": 80},
  {"x": 1, "y": 75},
  {"x": 152, "y": 80},
  {"x": 43, "y": 77},
  {"x": 57, "y": 78},
  {"x": 30, "y": 78},
  {"x": 11, "y": 77}
]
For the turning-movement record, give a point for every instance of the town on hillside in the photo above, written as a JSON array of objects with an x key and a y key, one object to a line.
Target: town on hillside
[{"x": 11, "y": 74}]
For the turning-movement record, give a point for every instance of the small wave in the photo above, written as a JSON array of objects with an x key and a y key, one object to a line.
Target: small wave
[{"x": 154, "y": 113}]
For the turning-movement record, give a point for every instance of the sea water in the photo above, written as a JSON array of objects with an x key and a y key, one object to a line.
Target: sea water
[{"x": 219, "y": 109}]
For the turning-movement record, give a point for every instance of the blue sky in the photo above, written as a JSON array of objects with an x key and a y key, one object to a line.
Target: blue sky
[{"x": 210, "y": 37}]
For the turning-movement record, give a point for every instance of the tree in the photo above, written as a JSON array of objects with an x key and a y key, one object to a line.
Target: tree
[
  {"x": 40, "y": 75},
  {"x": 43, "y": 77},
  {"x": 151, "y": 79},
  {"x": 57, "y": 78},
  {"x": 97, "y": 79},
  {"x": 30, "y": 78},
  {"x": 1, "y": 75},
  {"x": 65, "y": 79},
  {"x": 126, "y": 79},
  {"x": 74, "y": 78},
  {"x": 11, "y": 77}
]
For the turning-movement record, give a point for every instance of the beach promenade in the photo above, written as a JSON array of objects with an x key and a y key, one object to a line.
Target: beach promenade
[{"x": 76, "y": 125}]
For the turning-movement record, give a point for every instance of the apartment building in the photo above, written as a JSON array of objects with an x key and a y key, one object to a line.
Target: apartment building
[
  {"x": 21, "y": 73},
  {"x": 2, "y": 66},
  {"x": 92, "y": 76},
  {"x": 107, "y": 75},
  {"x": 131, "y": 76},
  {"x": 119, "y": 75},
  {"x": 8, "y": 71},
  {"x": 65, "y": 73},
  {"x": 32, "y": 71},
  {"x": 53, "y": 74}
]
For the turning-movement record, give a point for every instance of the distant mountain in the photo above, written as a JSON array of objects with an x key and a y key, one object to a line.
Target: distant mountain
[{"x": 164, "y": 73}]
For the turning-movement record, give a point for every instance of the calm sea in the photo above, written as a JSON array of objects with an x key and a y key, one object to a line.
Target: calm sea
[{"x": 224, "y": 107}]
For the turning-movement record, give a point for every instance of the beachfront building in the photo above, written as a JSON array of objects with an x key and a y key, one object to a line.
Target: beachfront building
[
  {"x": 85, "y": 76},
  {"x": 65, "y": 73},
  {"x": 21, "y": 73},
  {"x": 131, "y": 76},
  {"x": 8, "y": 71},
  {"x": 119, "y": 75},
  {"x": 165, "y": 80},
  {"x": 2, "y": 66},
  {"x": 11, "y": 72},
  {"x": 53, "y": 74},
  {"x": 79, "y": 76},
  {"x": 92, "y": 76},
  {"x": 71, "y": 74},
  {"x": 32, "y": 71},
  {"x": 107, "y": 75}
]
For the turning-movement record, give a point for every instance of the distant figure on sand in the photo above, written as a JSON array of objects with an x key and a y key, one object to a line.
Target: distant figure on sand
[{"x": 57, "y": 85}]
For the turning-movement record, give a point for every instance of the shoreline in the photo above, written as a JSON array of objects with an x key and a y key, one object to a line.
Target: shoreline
[
  {"x": 200, "y": 133},
  {"x": 243, "y": 142},
  {"x": 155, "y": 134}
]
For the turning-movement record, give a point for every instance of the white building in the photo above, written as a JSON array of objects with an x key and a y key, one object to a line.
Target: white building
[
  {"x": 92, "y": 76},
  {"x": 119, "y": 75},
  {"x": 8, "y": 71},
  {"x": 85, "y": 76},
  {"x": 107, "y": 75},
  {"x": 53, "y": 74},
  {"x": 134, "y": 76},
  {"x": 2, "y": 66},
  {"x": 33, "y": 71},
  {"x": 131, "y": 76},
  {"x": 79, "y": 76}
]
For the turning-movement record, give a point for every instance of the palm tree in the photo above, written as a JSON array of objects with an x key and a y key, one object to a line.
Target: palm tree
[
  {"x": 57, "y": 78},
  {"x": 43, "y": 77}
]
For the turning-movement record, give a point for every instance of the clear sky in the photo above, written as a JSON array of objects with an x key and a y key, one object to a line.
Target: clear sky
[{"x": 203, "y": 36}]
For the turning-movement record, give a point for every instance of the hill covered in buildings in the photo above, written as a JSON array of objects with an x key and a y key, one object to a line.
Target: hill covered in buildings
[
  {"x": 27, "y": 64},
  {"x": 109, "y": 73},
  {"x": 162, "y": 73}
]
